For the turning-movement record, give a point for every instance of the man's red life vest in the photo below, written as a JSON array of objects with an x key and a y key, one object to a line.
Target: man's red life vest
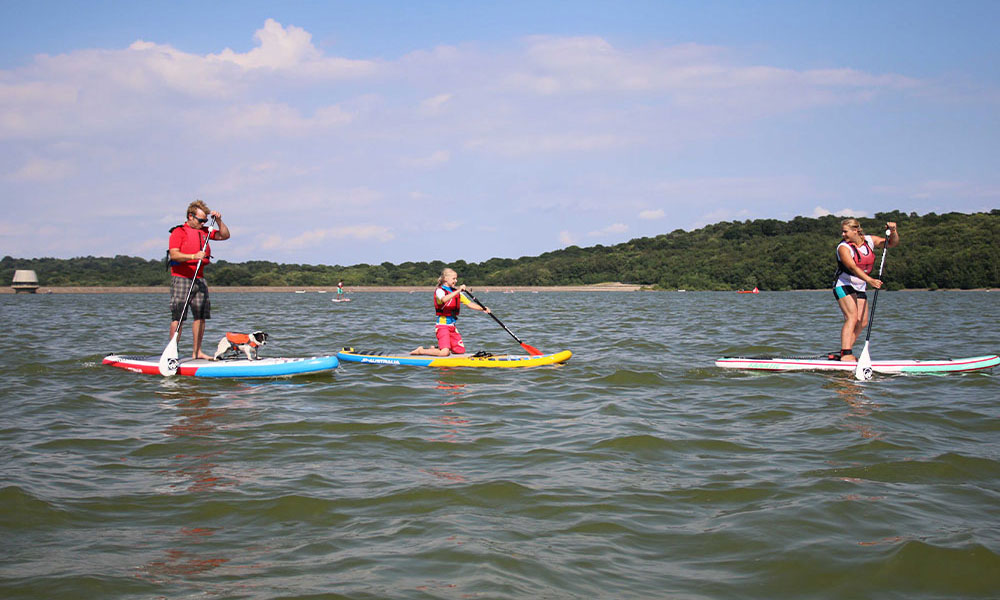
[{"x": 190, "y": 243}]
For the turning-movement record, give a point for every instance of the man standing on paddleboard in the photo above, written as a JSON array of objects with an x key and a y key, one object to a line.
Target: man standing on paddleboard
[
  {"x": 855, "y": 260},
  {"x": 185, "y": 250}
]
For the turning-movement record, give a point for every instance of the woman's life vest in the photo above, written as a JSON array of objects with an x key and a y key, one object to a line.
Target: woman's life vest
[{"x": 864, "y": 257}]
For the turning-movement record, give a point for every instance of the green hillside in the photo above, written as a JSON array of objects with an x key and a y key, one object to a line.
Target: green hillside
[{"x": 952, "y": 250}]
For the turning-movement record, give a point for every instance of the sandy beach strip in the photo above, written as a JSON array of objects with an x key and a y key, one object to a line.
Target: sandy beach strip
[{"x": 484, "y": 289}]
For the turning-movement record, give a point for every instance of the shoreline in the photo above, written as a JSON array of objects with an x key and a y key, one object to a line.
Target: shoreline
[
  {"x": 599, "y": 287},
  {"x": 485, "y": 289}
]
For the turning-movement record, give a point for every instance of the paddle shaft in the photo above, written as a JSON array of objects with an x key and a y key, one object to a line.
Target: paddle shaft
[
  {"x": 530, "y": 349},
  {"x": 871, "y": 312}
]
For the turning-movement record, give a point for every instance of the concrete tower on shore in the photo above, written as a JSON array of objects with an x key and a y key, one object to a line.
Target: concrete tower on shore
[{"x": 25, "y": 282}]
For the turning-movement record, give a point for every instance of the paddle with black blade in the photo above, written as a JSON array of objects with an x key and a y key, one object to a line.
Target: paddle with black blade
[
  {"x": 863, "y": 370},
  {"x": 531, "y": 349},
  {"x": 168, "y": 360}
]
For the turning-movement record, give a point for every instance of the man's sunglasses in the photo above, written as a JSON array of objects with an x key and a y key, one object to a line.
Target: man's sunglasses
[{"x": 199, "y": 220}]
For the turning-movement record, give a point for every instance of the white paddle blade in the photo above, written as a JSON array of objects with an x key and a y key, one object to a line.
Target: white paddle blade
[
  {"x": 863, "y": 371},
  {"x": 168, "y": 360}
]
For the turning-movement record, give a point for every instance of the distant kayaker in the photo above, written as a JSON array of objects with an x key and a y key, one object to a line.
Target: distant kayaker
[
  {"x": 184, "y": 248},
  {"x": 855, "y": 260},
  {"x": 448, "y": 300}
]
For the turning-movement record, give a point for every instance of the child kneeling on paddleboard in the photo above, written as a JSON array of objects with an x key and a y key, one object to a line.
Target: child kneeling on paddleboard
[{"x": 448, "y": 300}]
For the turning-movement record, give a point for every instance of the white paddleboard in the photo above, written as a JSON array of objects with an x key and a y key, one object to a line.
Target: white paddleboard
[{"x": 948, "y": 365}]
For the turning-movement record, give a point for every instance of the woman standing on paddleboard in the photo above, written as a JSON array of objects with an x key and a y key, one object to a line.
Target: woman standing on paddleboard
[
  {"x": 448, "y": 300},
  {"x": 855, "y": 260}
]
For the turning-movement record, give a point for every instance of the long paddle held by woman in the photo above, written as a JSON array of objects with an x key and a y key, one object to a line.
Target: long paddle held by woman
[{"x": 863, "y": 370}]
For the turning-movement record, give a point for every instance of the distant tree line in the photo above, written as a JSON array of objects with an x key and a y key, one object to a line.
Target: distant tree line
[{"x": 952, "y": 250}]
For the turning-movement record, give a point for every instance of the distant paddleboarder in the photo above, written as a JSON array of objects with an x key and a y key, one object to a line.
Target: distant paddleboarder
[
  {"x": 185, "y": 250},
  {"x": 855, "y": 260}
]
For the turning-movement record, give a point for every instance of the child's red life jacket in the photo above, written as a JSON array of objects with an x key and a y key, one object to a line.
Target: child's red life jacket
[{"x": 450, "y": 308}]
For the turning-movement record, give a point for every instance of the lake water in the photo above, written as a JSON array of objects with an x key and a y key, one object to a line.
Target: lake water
[{"x": 636, "y": 470}]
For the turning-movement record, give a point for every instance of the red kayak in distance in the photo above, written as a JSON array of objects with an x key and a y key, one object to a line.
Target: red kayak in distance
[{"x": 753, "y": 291}]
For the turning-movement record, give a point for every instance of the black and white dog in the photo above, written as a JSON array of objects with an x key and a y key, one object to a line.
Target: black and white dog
[{"x": 235, "y": 343}]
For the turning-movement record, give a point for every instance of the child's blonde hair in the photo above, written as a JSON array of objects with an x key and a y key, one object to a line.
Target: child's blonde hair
[{"x": 444, "y": 272}]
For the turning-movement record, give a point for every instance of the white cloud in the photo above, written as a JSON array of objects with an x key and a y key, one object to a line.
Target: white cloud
[
  {"x": 153, "y": 86},
  {"x": 734, "y": 190},
  {"x": 259, "y": 176},
  {"x": 939, "y": 189},
  {"x": 722, "y": 214},
  {"x": 434, "y": 105},
  {"x": 25, "y": 103},
  {"x": 436, "y": 158},
  {"x": 613, "y": 229},
  {"x": 146, "y": 69},
  {"x": 315, "y": 237},
  {"x": 819, "y": 211},
  {"x": 535, "y": 132},
  {"x": 695, "y": 74},
  {"x": 41, "y": 169},
  {"x": 152, "y": 244},
  {"x": 531, "y": 143},
  {"x": 688, "y": 91},
  {"x": 280, "y": 47},
  {"x": 291, "y": 49},
  {"x": 275, "y": 119}
]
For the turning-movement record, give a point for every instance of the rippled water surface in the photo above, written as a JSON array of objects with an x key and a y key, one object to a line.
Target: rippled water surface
[{"x": 636, "y": 470}]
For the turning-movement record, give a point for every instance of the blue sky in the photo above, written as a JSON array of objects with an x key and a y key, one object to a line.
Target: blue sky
[{"x": 349, "y": 132}]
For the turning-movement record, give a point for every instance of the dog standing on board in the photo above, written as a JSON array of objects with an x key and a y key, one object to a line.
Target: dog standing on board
[{"x": 235, "y": 343}]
